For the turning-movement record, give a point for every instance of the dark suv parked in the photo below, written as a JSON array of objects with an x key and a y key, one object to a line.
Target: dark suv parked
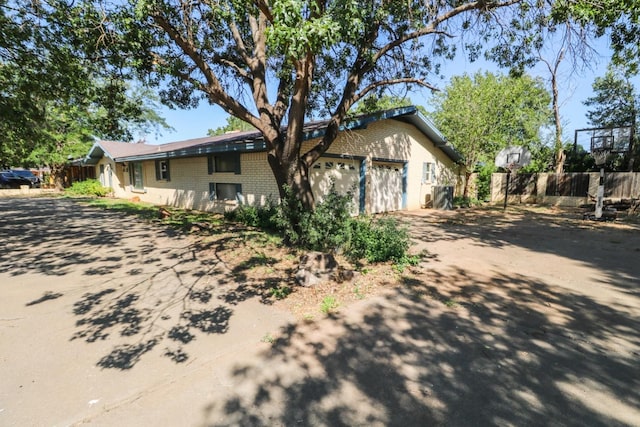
[
  {"x": 24, "y": 173},
  {"x": 10, "y": 180}
]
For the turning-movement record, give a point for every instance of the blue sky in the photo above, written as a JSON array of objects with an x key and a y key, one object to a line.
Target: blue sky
[{"x": 574, "y": 90}]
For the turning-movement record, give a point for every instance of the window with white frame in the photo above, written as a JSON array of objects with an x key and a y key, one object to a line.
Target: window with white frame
[{"x": 428, "y": 173}]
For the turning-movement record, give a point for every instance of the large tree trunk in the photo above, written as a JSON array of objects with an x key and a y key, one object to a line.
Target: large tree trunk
[
  {"x": 465, "y": 188},
  {"x": 294, "y": 175},
  {"x": 560, "y": 159},
  {"x": 632, "y": 142},
  {"x": 559, "y": 150},
  {"x": 58, "y": 175}
]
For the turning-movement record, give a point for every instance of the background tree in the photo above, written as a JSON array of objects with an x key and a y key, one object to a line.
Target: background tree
[
  {"x": 234, "y": 124},
  {"x": 573, "y": 47},
  {"x": 560, "y": 43},
  {"x": 373, "y": 103},
  {"x": 615, "y": 103},
  {"x": 579, "y": 159},
  {"x": 54, "y": 98},
  {"x": 617, "y": 19},
  {"x": 484, "y": 113},
  {"x": 277, "y": 63}
]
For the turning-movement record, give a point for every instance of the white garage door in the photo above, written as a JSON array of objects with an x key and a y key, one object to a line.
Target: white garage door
[
  {"x": 345, "y": 175},
  {"x": 386, "y": 187}
]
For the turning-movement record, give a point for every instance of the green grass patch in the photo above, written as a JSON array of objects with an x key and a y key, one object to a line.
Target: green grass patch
[
  {"x": 451, "y": 303},
  {"x": 175, "y": 218},
  {"x": 268, "y": 338},
  {"x": 144, "y": 210},
  {"x": 184, "y": 219},
  {"x": 281, "y": 292},
  {"x": 329, "y": 304}
]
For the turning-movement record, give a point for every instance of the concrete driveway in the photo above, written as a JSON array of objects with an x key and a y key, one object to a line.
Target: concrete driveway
[{"x": 516, "y": 320}]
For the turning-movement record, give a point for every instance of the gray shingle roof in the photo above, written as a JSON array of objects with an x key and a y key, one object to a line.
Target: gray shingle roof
[{"x": 253, "y": 140}]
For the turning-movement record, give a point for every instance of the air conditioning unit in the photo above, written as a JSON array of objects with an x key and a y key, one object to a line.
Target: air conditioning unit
[{"x": 442, "y": 197}]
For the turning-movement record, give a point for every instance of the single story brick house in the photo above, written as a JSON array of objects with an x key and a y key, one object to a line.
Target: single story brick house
[{"x": 390, "y": 159}]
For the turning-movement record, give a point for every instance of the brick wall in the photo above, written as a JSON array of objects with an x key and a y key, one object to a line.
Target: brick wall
[{"x": 189, "y": 179}]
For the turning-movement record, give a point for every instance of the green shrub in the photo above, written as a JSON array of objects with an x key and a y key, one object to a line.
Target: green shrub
[
  {"x": 378, "y": 241},
  {"x": 90, "y": 187},
  {"x": 465, "y": 202},
  {"x": 330, "y": 227},
  {"x": 483, "y": 181},
  {"x": 254, "y": 216},
  {"x": 323, "y": 229}
]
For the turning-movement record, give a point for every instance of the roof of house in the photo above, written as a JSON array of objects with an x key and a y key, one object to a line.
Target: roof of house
[{"x": 254, "y": 141}]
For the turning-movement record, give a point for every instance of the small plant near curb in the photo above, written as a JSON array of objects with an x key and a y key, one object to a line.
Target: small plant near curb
[
  {"x": 268, "y": 338},
  {"x": 451, "y": 303},
  {"x": 358, "y": 292},
  {"x": 328, "y": 305},
  {"x": 406, "y": 261},
  {"x": 280, "y": 292}
]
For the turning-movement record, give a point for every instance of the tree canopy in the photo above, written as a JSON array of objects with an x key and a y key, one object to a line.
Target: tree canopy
[
  {"x": 617, "y": 19},
  {"x": 270, "y": 64},
  {"x": 54, "y": 96},
  {"x": 484, "y": 113},
  {"x": 275, "y": 64}
]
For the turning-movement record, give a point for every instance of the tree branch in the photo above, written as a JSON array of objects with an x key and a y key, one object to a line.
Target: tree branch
[
  {"x": 406, "y": 80},
  {"x": 213, "y": 88},
  {"x": 264, "y": 9},
  {"x": 432, "y": 27},
  {"x": 235, "y": 33}
]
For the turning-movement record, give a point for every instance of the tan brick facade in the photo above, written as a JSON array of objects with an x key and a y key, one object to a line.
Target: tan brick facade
[{"x": 387, "y": 140}]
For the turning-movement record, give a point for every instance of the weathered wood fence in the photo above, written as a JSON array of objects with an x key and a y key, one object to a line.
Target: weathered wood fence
[{"x": 568, "y": 189}]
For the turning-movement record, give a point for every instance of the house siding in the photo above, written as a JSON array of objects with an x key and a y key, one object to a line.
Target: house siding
[
  {"x": 388, "y": 140},
  {"x": 400, "y": 142},
  {"x": 188, "y": 187}
]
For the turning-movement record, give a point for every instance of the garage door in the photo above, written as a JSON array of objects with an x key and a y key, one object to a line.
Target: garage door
[
  {"x": 386, "y": 187},
  {"x": 345, "y": 174}
]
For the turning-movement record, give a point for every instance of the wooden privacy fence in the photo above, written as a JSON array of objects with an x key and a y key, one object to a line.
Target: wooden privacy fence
[{"x": 568, "y": 189}]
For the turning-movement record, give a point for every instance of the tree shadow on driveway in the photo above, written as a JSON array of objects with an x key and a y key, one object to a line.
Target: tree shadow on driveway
[
  {"x": 137, "y": 285},
  {"x": 492, "y": 350},
  {"x": 610, "y": 248},
  {"x": 183, "y": 296}
]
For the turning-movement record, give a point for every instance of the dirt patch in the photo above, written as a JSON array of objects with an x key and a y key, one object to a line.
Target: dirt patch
[{"x": 266, "y": 268}]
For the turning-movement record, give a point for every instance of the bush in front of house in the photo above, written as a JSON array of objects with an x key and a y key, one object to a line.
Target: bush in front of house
[
  {"x": 378, "y": 240},
  {"x": 255, "y": 216},
  {"x": 90, "y": 187},
  {"x": 322, "y": 229},
  {"x": 330, "y": 228}
]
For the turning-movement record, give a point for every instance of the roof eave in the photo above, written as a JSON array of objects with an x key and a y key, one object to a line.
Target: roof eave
[
  {"x": 427, "y": 127},
  {"x": 254, "y": 142},
  {"x": 243, "y": 146},
  {"x": 94, "y": 155}
]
